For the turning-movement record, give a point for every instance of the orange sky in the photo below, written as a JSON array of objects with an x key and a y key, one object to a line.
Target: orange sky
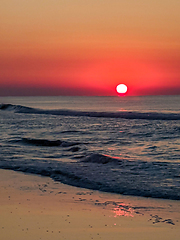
[{"x": 85, "y": 47}]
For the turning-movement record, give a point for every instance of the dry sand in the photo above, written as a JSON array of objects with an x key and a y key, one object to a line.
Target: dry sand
[{"x": 33, "y": 207}]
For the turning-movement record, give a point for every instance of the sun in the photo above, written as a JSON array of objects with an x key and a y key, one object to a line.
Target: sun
[{"x": 121, "y": 88}]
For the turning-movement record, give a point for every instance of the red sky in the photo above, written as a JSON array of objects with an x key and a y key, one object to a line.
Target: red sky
[{"x": 88, "y": 47}]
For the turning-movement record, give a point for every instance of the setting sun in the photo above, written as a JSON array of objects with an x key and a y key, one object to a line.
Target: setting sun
[{"x": 121, "y": 88}]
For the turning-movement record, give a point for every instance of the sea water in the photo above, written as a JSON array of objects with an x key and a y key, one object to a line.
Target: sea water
[{"x": 125, "y": 145}]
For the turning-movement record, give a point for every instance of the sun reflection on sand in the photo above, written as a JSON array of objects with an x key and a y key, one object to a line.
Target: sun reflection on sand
[{"x": 123, "y": 210}]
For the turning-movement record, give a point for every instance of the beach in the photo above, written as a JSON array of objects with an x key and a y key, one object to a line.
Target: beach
[{"x": 35, "y": 207}]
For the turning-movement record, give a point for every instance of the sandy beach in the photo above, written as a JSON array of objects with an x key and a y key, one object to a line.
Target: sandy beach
[{"x": 34, "y": 207}]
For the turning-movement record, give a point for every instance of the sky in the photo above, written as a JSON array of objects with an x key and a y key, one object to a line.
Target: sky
[{"x": 88, "y": 47}]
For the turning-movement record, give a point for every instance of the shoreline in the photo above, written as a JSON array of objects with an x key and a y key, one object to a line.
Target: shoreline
[{"x": 35, "y": 207}]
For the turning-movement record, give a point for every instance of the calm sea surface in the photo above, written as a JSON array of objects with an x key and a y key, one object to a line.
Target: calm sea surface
[{"x": 127, "y": 145}]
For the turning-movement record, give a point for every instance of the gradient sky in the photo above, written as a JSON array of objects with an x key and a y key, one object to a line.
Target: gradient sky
[{"x": 87, "y": 47}]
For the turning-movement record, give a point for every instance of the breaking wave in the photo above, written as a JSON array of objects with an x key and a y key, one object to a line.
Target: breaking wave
[{"x": 120, "y": 114}]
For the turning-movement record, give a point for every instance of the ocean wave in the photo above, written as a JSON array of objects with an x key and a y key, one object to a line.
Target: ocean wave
[
  {"x": 119, "y": 114},
  {"x": 100, "y": 159},
  {"x": 129, "y": 178},
  {"x": 104, "y": 173},
  {"x": 48, "y": 143},
  {"x": 16, "y": 108}
]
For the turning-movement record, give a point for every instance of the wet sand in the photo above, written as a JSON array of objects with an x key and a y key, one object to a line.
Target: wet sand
[{"x": 34, "y": 207}]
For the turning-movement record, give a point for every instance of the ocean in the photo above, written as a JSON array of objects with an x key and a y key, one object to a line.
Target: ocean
[{"x": 125, "y": 145}]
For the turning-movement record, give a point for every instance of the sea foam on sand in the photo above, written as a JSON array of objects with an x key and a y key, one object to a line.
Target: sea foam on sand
[{"x": 33, "y": 207}]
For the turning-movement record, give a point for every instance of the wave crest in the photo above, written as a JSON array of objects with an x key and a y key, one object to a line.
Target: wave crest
[
  {"x": 48, "y": 143},
  {"x": 99, "y": 158}
]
